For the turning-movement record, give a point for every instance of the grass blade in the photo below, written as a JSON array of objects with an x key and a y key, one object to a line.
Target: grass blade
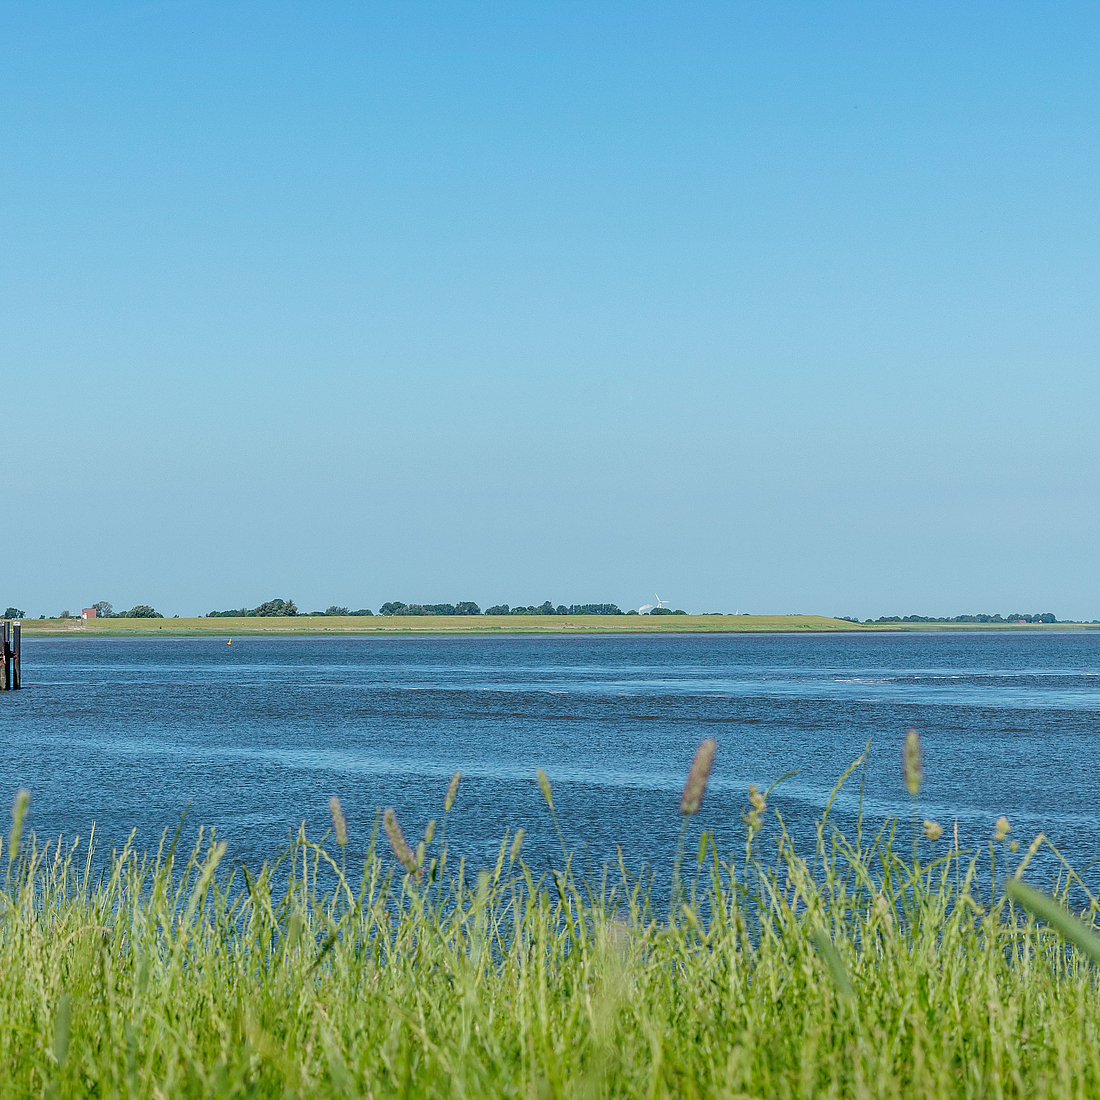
[
  {"x": 833, "y": 961},
  {"x": 1059, "y": 918}
]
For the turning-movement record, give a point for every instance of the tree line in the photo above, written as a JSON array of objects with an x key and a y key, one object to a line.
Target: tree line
[
  {"x": 268, "y": 607},
  {"x": 1045, "y": 617},
  {"x": 470, "y": 608},
  {"x": 103, "y": 610},
  {"x": 463, "y": 607}
]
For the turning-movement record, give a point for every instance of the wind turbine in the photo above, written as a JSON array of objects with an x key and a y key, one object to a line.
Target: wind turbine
[{"x": 660, "y": 602}]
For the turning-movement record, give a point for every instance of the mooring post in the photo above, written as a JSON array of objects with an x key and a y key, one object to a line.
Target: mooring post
[
  {"x": 16, "y": 653},
  {"x": 5, "y": 658}
]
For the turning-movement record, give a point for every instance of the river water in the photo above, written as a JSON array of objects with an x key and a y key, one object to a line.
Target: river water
[{"x": 256, "y": 736}]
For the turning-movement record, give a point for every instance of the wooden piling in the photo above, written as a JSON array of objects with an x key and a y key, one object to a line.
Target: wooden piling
[{"x": 11, "y": 644}]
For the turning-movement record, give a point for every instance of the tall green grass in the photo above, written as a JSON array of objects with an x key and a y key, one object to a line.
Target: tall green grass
[{"x": 851, "y": 969}]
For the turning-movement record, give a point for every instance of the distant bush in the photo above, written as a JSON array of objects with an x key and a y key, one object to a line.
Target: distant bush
[
  {"x": 141, "y": 611},
  {"x": 277, "y": 607},
  {"x": 14, "y": 613},
  {"x": 667, "y": 611}
]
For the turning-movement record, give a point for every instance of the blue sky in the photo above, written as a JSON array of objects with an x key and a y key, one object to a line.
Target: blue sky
[{"x": 769, "y": 307}]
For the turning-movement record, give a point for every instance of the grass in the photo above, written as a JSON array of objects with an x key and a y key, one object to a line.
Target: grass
[
  {"x": 491, "y": 624},
  {"x": 436, "y": 624},
  {"x": 868, "y": 966}
]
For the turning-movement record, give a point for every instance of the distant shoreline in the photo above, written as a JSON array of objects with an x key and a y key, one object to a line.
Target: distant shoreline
[{"x": 352, "y": 625}]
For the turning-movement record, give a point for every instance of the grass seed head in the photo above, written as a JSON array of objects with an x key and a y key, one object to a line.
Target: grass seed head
[
  {"x": 759, "y": 802},
  {"x": 339, "y": 822},
  {"x": 754, "y": 817},
  {"x": 932, "y": 829},
  {"x": 544, "y": 783},
  {"x": 1001, "y": 828},
  {"x": 883, "y": 911},
  {"x": 696, "y": 783},
  {"x": 401, "y": 850},
  {"x": 517, "y": 844},
  {"x": 452, "y": 790},
  {"x": 19, "y": 809},
  {"x": 911, "y": 762},
  {"x": 429, "y": 832}
]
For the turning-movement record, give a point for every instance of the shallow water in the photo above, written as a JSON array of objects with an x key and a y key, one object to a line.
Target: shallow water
[{"x": 256, "y": 736}]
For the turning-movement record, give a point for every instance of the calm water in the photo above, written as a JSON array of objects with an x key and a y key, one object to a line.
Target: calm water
[{"x": 256, "y": 736}]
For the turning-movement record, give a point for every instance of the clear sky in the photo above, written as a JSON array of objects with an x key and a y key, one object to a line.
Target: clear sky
[{"x": 767, "y": 307}]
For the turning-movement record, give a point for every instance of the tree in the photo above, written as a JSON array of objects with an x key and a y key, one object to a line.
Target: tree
[
  {"x": 277, "y": 607},
  {"x": 334, "y": 610},
  {"x": 14, "y": 613},
  {"x": 498, "y": 609},
  {"x": 142, "y": 611},
  {"x": 467, "y": 607},
  {"x": 103, "y": 609}
]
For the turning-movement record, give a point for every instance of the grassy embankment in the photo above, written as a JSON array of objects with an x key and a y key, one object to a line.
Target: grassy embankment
[
  {"x": 876, "y": 968},
  {"x": 491, "y": 624},
  {"x": 438, "y": 624}
]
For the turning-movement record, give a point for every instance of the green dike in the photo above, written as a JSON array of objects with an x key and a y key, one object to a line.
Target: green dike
[
  {"x": 850, "y": 969},
  {"x": 435, "y": 624},
  {"x": 485, "y": 624}
]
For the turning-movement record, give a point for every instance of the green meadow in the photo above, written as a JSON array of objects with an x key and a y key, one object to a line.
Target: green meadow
[
  {"x": 874, "y": 964},
  {"x": 490, "y": 624},
  {"x": 436, "y": 624}
]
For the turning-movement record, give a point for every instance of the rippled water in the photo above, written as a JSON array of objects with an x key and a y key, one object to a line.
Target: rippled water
[{"x": 256, "y": 736}]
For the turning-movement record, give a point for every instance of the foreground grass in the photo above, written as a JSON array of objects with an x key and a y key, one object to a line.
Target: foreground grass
[{"x": 856, "y": 971}]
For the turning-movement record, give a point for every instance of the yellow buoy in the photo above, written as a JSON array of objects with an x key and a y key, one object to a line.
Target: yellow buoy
[{"x": 230, "y": 642}]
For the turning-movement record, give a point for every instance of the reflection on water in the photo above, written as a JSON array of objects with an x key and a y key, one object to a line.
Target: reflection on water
[{"x": 257, "y": 736}]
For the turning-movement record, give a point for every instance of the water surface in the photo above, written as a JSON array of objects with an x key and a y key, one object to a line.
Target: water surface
[{"x": 256, "y": 736}]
